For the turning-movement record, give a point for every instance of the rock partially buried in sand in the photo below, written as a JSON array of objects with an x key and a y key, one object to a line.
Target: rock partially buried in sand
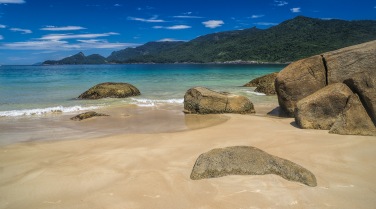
[
  {"x": 200, "y": 100},
  {"x": 243, "y": 160},
  {"x": 87, "y": 115},
  {"x": 264, "y": 84},
  {"x": 111, "y": 90}
]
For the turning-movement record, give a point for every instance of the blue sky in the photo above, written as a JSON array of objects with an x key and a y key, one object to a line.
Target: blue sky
[{"x": 32, "y": 31}]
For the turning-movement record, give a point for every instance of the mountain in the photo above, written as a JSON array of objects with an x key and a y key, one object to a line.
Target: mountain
[
  {"x": 78, "y": 59},
  {"x": 289, "y": 41}
]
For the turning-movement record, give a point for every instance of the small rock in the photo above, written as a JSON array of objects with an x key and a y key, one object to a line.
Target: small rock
[
  {"x": 264, "y": 84},
  {"x": 87, "y": 115},
  {"x": 243, "y": 160}
]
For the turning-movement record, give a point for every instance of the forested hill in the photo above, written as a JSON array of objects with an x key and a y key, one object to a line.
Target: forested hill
[{"x": 289, "y": 41}]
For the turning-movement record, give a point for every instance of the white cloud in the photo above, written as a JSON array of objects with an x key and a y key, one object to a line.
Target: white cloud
[
  {"x": 257, "y": 16},
  {"x": 150, "y": 20},
  {"x": 23, "y": 31},
  {"x": 213, "y": 23},
  {"x": 64, "y": 45},
  {"x": 295, "y": 10},
  {"x": 280, "y": 3},
  {"x": 12, "y": 2},
  {"x": 65, "y": 28},
  {"x": 169, "y": 40},
  {"x": 1, "y": 37},
  {"x": 117, "y": 5},
  {"x": 3, "y": 26},
  {"x": 265, "y": 23},
  {"x": 58, "y": 37},
  {"x": 187, "y": 17},
  {"x": 174, "y": 27}
]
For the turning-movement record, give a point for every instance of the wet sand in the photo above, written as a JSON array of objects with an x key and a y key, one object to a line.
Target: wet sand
[{"x": 151, "y": 170}]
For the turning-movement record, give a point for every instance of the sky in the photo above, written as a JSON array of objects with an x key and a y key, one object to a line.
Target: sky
[{"x": 33, "y": 31}]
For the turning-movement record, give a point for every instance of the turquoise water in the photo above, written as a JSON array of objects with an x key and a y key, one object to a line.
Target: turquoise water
[{"x": 36, "y": 90}]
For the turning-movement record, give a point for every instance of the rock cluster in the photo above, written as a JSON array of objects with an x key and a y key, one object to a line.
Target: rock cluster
[
  {"x": 243, "y": 160},
  {"x": 264, "y": 84},
  {"x": 200, "y": 100},
  {"x": 335, "y": 91},
  {"x": 110, "y": 90}
]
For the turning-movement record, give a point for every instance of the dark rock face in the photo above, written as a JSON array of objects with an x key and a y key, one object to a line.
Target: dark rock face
[
  {"x": 354, "y": 120},
  {"x": 87, "y": 115},
  {"x": 200, "y": 100},
  {"x": 112, "y": 90},
  {"x": 242, "y": 160},
  {"x": 306, "y": 76},
  {"x": 298, "y": 80},
  {"x": 264, "y": 84},
  {"x": 321, "y": 109},
  {"x": 365, "y": 86}
]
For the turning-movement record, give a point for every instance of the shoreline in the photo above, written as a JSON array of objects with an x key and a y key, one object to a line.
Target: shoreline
[{"x": 151, "y": 170}]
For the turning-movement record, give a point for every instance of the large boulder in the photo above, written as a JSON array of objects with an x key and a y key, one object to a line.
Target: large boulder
[
  {"x": 111, "y": 90},
  {"x": 264, "y": 84},
  {"x": 321, "y": 109},
  {"x": 306, "y": 76},
  {"x": 365, "y": 86},
  {"x": 200, "y": 100},
  {"x": 298, "y": 80},
  {"x": 354, "y": 120},
  {"x": 243, "y": 160}
]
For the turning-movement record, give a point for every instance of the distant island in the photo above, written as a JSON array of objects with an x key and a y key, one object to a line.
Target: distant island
[{"x": 289, "y": 41}]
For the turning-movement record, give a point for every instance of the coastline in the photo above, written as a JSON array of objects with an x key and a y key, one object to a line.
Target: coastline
[{"x": 151, "y": 170}]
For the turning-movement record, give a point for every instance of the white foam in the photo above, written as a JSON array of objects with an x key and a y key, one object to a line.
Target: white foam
[
  {"x": 154, "y": 102},
  {"x": 42, "y": 111},
  {"x": 256, "y": 93}
]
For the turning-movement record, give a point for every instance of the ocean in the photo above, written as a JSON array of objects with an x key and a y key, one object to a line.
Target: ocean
[{"x": 31, "y": 91}]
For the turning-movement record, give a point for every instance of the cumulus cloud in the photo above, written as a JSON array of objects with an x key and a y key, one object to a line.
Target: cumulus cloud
[
  {"x": 23, "y": 31},
  {"x": 295, "y": 10},
  {"x": 117, "y": 5},
  {"x": 174, "y": 27},
  {"x": 58, "y": 37},
  {"x": 213, "y": 23},
  {"x": 65, "y": 28},
  {"x": 257, "y": 16},
  {"x": 1, "y": 37},
  {"x": 3, "y": 26},
  {"x": 12, "y": 2},
  {"x": 280, "y": 3},
  {"x": 150, "y": 20}
]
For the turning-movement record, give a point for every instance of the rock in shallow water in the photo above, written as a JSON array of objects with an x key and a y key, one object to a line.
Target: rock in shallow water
[
  {"x": 200, "y": 100},
  {"x": 264, "y": 84},
  {"x": 87, "y": 115},
  {"x": 243, "y": 160},
  {"x": 111, "y": 90}
]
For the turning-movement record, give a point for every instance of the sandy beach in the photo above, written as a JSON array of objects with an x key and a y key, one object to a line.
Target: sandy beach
[{"x": 152, "y": 170}]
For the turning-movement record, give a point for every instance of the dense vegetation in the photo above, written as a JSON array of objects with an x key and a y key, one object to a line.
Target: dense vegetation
[
  {"x": 289, "y": 41},
  {"x": 78, "y": 59}
]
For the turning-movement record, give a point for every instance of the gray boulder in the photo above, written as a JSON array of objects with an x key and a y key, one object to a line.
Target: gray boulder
[
  {"x": 110, "y": 90},
  {"x": 243, "y": 160},
  {"x": 354, "y": 120},
  {"x": 200, "y": 100},
  {"x": 264, "y": 84},
  {"x": 306, "y": 76},
  {"x": 321, "y": 109}
]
